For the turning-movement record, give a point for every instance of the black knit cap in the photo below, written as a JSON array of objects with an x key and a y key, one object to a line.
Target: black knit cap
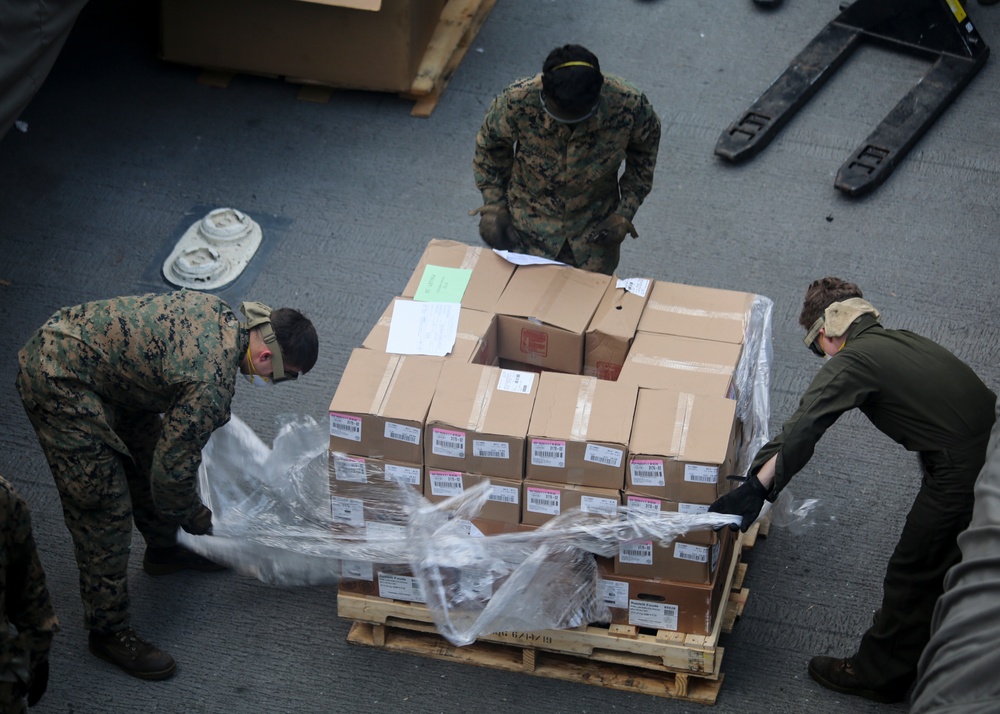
[{"x": 571, "y": 82}]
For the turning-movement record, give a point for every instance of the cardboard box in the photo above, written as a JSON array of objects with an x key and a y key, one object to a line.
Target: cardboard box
[
  {"x": 650, "y": 504},
  {"x": 685, "y": 364},
  {"x": 692, "y": 311},
  {"x": 345, "y": 468},
  {"x": 682, "y": 447},
  {"x": 476, "y": 340},
  {"x": 380, "y": 405},
  {"x": 611, "y": 330},
  {"x": 544, "y": 501},
  {"x": 579, "y": 431},
  {"x": 389, "y": 582},
  {"x": 543, "y": 315},
  {"x": 691, "y": 608},
  {"x": 478, "y": 420},
  {"x": 361, "y": 44},
  {"x": 504, "y": 504},
  {"x": 489, "y": 273},
  {"x": 681, "y": 561}
]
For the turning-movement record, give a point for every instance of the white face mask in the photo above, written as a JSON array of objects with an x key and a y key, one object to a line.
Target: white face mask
[{"x": 258, "y": 381}]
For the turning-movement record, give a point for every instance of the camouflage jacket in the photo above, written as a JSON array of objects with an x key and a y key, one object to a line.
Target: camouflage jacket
[
  {"x": 558, "y": 180},
  {"x": 23, "y": 595},
  {"x": 176, "y": 354}
]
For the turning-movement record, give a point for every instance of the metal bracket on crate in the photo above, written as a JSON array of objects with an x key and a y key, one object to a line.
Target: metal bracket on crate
[{"x": 938, "y": 30}]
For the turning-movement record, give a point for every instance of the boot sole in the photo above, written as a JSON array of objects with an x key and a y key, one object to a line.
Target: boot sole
[
  {"x": 149, "y": 676},
  {"x": 872, "y": 694}
]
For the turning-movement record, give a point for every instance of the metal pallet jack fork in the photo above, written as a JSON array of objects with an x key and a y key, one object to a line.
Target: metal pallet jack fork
[{"x": 939, "y": 30}]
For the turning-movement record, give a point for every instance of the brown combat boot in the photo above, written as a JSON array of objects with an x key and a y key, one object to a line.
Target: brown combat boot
[
  {"x": 132, "y": 654},
  {"x": 163, "y": 561},
  {"x": 840, "y": 676}
]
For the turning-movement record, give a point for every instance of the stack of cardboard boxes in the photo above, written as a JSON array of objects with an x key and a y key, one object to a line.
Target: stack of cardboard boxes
[{"x": 566, "y": 390}]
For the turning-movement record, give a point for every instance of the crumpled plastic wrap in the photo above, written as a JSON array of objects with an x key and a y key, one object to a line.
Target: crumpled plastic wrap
[{"x": 274, "y": 519}]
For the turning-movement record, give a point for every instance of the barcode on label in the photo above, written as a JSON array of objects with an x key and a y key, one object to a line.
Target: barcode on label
[
  {"x": 647, "y": 473},
  {"x": 401, "y": 432},
  {"x": 503, "y": 494},
  {"x": 345, "y": 427},
  {"x": 490, "y": 449},
  {"x": 543, "y": 501},
  {"x": 636, "y": 552},
  {"x": 604, "y": 455},
  {"x": 449, "y": 443},
  {"x": 693, "y": 553},
  {"x": 694, "y": 473}
]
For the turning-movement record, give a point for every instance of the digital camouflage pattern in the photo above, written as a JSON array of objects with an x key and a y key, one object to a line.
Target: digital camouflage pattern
[
  {"x": 560, "y": 181},
  {"x": 123, "y": 394},
  {"x": 24, "y": 601}
]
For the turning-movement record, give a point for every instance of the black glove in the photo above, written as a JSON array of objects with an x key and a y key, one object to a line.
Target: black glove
[
  {"x": 745, "y": 501},
  {"x": 39, "y": 682},
  {"x": 612, "y": 230},
  {"x": 201, "y": 524},
  {"x": 496, "y": 228}
]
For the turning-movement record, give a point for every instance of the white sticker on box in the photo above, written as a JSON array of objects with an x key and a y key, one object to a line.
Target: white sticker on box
[
  {"x": 604, "y": 455},
  {"x": 546, "y": 452},
  {"x": 693, "y": 553},
  {"x": 503, "y": 494},
  {"x": 400, "y": 587},
  {"x": 600, "y": 506},
  {"x": 613, "y": 592},
  {"x": 657, "y": 615},
  {"x": 348, "y": 510},
  {"x": 636, "y": 552},
  {"x": 692, "y": 509},
  {"x": 512, "y": 380},
  {"x": 636, "y": 286},
  {"x": 647, "y": 472},
  {"x": 357, "y": 570},
  {"x": 543, "y": 500},
  {"x": 446, "y": 483},
  {"x": 402, "y": 474},
  {"x": 446, "y": 442},
  {"x": 638, "y": 503},
  {"x": 490, "y": 449},
  {"x": 402, "y": 432},
  {"x": 345, "y": 426},
  {"x": 349, "y": 468},
  {"x": 375, "y": 530},
  {"x": 470, "y": 529},
  {"x": 701, "y": 474}
]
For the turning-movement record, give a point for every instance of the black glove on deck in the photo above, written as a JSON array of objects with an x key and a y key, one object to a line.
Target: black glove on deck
[{"x": 745, "y": 501}]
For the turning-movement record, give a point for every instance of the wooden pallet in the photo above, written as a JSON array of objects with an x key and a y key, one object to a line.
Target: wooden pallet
[
  {"x": 460, "y": 22},
  {"x": 661, "y": 663}
]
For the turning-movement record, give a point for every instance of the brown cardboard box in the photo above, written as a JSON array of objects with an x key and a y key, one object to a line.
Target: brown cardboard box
[
  {"x": 650, "y": 504},
  {"x": 691, "y": 608},
  {"x": 478, "y": 420},
  {"x": 476, "y": 340},
  {"x": 543, "y": 315},
  {"x": 544, "y": 501},
  {"x": 360, "y": 44},
  {"x": 346, "y": 468},
  {"x": 504, "y": 504},
  {"x": 380, "y": 405},
  {"x": 692, "y": 311},
  {"x": 613, "y": 327},
  {"x": 685, "y": 364},
  {"x": 682, "y": 446},
  {"x": 490, "y": 272},
  {"x": 390, "y": 582},
  {"x": 680, "y": 561},
  {"x": 579, "y": 430}
]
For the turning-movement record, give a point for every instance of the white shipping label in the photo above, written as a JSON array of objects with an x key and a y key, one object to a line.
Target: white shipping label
[
  {"x": 446, "y": 442},
  {"x": 348, "y": 510},
  {"x": 400, "y": 587},
  {"x": 701, "y": 474},
  {"x": 692, "y": 509},
  {"x": 402, "y": 432},
  {"x": 647, "y": 473},
  {"x": 347, "y": 468},
  {"x": 601, "y": 506},
  {"x": 651, "y": 505},
  {"x": 384, "y": 531},
  {"x": 604, "y": 455},
  {"x": 403, "y": 474},
  {"x": 693, "y": 553},
  {"x": 543, "y": 500},
  {"x": 344, "y": 426},
  {"x": 357, "y": 570},
  {"x": 512, "y": 380},
  {"x": 636, "y": 552},
  {"x": 445, "y": 483},
  {"x": 613, "y": 592},
  {"x": 504, "y": 494},
  {"x": 490, "y": 449},
  {"x": 658, "y": 615},
  {"x": 636, "y": 286},
  {"x": 545, "y": 452}
]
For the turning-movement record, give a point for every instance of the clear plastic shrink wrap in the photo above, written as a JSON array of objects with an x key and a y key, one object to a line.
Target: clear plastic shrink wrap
[{"x": 273, "y": 519}]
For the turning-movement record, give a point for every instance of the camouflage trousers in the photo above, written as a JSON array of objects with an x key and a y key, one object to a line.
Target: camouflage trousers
[
  {"x": 597, "y": 258},
  {"x": 102, "y": 489}
]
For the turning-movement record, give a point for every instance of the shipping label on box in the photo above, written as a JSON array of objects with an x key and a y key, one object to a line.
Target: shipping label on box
[
  {"x": 647, "y": 504},
  {"x": 683, "y": 364},
  {"x": 503, "y": 502},
  {"x": 680, "y": 561},
  {"x": 544, "y": 501},
  {"x": 488, "y": 272},
  {"x": 692, "y": 311},
  {"x": 613, "y": 326}
]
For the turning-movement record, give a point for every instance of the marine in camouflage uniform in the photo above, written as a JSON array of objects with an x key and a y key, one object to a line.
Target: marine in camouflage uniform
[
  {"x": 560, "y": 180},
  {"x": 25, "y": 605}
]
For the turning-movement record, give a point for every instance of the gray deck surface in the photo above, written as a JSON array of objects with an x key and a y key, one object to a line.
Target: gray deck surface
[{"x": 123, "y": 150}]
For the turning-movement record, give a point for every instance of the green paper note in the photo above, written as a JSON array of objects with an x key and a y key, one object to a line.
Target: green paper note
[{"x": 440, "y": 284}]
